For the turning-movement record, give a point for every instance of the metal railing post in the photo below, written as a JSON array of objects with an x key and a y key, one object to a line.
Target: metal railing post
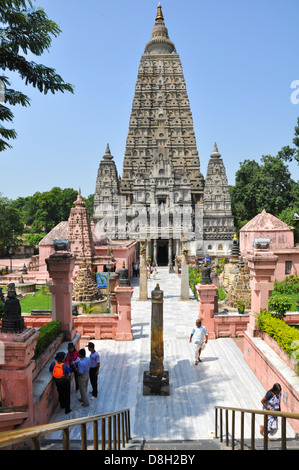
[
  {"x": 226, "y": 428},
  {"x": 233, "y": 430},
  {"x": 66, "y": 439},
  {"x": 95, "y": 435},
  {"x": 283, "y": 433},
  {"x": 83, "y": 437},
  {"x": 242, "y": 430},
  {"x": 252, "y": 431},
  {"x": 103, "y": 436}
]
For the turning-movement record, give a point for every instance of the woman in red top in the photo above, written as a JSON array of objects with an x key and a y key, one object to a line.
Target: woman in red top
[{"x": 72, "y": 358}]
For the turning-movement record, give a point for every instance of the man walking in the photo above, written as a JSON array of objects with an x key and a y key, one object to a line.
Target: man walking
[
  {"x": 198, "y": 334},
  {"x": 83, "y": 377},
  {"x": 94, "y": 369}
]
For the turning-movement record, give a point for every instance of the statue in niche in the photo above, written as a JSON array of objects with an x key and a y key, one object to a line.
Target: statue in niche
[{"x": 12, "y": 320}]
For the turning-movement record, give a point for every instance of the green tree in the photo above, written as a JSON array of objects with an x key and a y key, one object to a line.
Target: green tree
[
  {"x": 47, "y": 209},
  {"x": 267, "y": 185},
  {"x": 89, "y": 204},
  {"x": 287, "y": 153},
  {"x": 24, "y": 30},
  {"x": 11, "y": 224}
]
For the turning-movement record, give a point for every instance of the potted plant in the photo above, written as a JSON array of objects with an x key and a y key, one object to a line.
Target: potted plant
[{"x": 240, "y": 306}]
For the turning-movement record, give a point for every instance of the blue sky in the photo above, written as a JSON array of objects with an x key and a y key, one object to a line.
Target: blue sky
[{"x": 239, "y": 60}]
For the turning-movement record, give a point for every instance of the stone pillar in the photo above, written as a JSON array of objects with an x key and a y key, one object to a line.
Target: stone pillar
[
  {"x": 124, "y": 294},
  {"x": 170, "y": 265},
  {"x": 184, "y": 277},
  {"x": 206, "y": 296},
  {"x": 177, "y": 248},
  {"x": 113, "y": 283},
  {"x": 143, "y": 272},
  {"x": 262, "y": 266},
  {"x": 156, "y": 380},
  {"x": 155, "y": 251},
  {"x": 60, "y": 266},
  {"x": 148, "y": 248},
  {"x": 16, "y": 367}
]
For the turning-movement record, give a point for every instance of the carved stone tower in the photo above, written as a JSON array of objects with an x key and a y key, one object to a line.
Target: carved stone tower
[
  {"x": 79, "y": 233},
  {"x": 107, "y": 192},
  {"x": 218, "y": 219},
  {"x": 161, "y": 191}
]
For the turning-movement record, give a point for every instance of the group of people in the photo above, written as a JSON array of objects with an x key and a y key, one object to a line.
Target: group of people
[{"x": 83, "y": 368}]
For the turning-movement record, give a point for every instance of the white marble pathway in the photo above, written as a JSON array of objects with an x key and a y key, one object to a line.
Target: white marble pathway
[{"x": 222, "y": 378}]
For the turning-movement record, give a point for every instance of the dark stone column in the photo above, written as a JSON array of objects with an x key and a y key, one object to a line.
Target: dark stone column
[{"x": 156, "y": 380}]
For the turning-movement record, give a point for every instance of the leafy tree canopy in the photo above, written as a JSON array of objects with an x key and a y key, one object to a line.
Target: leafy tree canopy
[
  {"x": 11, "y": 225},
  {"x": 24, "y": 29},
  {"x": 267, "y": 185}
]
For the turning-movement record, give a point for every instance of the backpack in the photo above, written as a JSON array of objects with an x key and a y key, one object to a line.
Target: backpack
[{"x": 58, "y": 372}]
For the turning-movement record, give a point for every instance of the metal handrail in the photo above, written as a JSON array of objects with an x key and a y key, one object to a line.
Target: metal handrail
[
  {"x": 284, "y": 416},
  {"x": 119, "y": 432}
]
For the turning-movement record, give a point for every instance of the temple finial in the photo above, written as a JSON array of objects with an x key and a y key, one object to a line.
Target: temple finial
[
  {"x": 79, "y": 201},
  {"x": 108, "y": 155},
  {"x": 215, "y": 152},
  {"x": 159, "y": 16}
]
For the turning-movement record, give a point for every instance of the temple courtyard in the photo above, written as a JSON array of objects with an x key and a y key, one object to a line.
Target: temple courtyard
[{"x": 222, "y": 378}]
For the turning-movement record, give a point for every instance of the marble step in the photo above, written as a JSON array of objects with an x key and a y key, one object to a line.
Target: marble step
[{"x": 171, "y": 445}]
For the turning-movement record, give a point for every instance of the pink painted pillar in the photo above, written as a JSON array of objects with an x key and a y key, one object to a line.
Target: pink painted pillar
[
  {"x": 206, "y": 296},
  {"x": 16, "y": 366},
  {"x": 123, "y": 296},
  {"x": 262, "y": 267},
  {"x": 60, "y": 266}
]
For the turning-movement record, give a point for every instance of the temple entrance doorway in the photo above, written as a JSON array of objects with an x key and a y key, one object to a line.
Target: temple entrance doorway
[{"x": 162, "y": 252}]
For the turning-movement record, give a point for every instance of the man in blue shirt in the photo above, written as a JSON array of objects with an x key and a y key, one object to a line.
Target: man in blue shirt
[
  {"x": 94, "y": 369},
  {"x": 83, "y": 377},
  {"x": 198, "y": 334}
]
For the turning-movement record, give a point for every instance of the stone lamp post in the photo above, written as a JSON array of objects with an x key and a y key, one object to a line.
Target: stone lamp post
[{"x": 60, "y": 266}]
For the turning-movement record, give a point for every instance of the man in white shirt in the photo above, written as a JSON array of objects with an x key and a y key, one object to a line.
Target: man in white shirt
[{"x": 200, "y": 338}]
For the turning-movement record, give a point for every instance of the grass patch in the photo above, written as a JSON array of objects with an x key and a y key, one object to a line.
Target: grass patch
[{"x": 39, "y": 301}]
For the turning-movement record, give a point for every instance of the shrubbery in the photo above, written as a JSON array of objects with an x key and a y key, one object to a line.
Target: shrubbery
[
  {"x": 48, "y": 333},
  {"x": 285, "y": 335},
  {"x": 279, "y": 304},
  {"x": 289, "y": 286}
]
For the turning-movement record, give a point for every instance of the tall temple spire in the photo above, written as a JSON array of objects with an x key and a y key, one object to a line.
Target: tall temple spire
[{"x": 161, "y": 166}]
